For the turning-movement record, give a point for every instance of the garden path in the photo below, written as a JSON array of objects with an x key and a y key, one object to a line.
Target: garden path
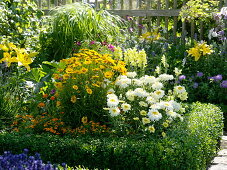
[{"x": 220, "y": 161}]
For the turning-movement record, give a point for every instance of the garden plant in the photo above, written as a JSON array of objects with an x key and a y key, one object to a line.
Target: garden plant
[{"x": 84, "y": 90}]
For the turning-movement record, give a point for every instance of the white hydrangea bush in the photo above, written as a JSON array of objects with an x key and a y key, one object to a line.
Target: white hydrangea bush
[{"x": 144, "y": 105}]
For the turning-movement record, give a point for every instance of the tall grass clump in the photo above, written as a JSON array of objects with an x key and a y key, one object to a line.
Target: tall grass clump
[{"x": 75, "y": 23}]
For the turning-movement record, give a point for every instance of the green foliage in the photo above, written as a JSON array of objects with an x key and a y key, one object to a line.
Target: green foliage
[
  {"x": 198, "y": 9},
  {"x": 19, "y": 22},
  {"x": 196, "y": 137},
  {"x": 78, "y": 22}
]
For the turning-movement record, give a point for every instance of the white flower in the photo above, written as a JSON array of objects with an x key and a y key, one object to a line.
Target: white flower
[
  {"x": 137, "y": 82},
  {"x": 165, "y": 77},
  {"x": 146, "y": 120},
  {"x": 140, "y": 92},
  {"x": 131, "y": 74},
  {"x": 151, "y": 100},
  {"x": 171, "y": 114},
  {"x": 110, "y": 91},
  {"x": 151, "y": 129},
  {"x": 125, "y": 107},
  {"x": 111, "y": 95},
  {"x": 158, "y": 94},
  {"x": 143, "y": 113},
  {"x": 148, "y": 79},
  {"x": 179, "y": 89},
  {"x": 112, "y": 102},
  {"x": 114, "y": 111},
  {"x": 123, "y": 81},
  {"x": 29, "y": 84},
  {"x": 155, "y": 106},
  {"x": 177, "y": 71},
  {"x": 157, "y": 86},
  {"x": 143, "y": 104},
  {"x": 154, "y": 115},
  {"x": 183, "y": 96},
  {"x": 130, "y": 95},
  {"x": 166, "y": 105},
  {"x": 176, "y": 106}
]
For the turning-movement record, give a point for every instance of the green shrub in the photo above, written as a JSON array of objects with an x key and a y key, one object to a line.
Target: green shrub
[
  {"x": 19, "y": 22},
  {"x": 190, "y": 145},
  {"x": 75, "y": 23}
]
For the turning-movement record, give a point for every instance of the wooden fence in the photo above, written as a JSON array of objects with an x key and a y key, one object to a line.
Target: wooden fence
[{"x": 154, "y": 12}]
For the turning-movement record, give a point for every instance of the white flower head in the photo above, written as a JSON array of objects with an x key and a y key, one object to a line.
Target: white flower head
[
  {"x": 151, "y": 100},
  {"x": 154, "y": 115},
  {"x": 126, "y": 107},
  {"x": 112, "y": 96},
  {"x": 112, "y": 102},
  {"x": 165, "y": 77},
  {"x": 123, "y": 81},
  {"x": 166, "y": 105},
  {"x": 179, "y": 89},
  {"x": 148, "y": 79},
  {"x": 137, "y": 82},
  {"x": 157, "y": 86},
  {"x": 171, "y": 113},
  {"x": 114, "y": 111},
  {"x": 158, "y": 94},
  {"x": 140, "y": 92},
  {"x": 110, "y": 91},
  {"x": 131, "y": 74},
  {"x": 130, "y": 95},
  {"x": 176, "y": 106}
]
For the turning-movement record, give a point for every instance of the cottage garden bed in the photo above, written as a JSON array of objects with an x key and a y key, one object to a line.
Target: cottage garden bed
[{"x": 81, "y": 90}]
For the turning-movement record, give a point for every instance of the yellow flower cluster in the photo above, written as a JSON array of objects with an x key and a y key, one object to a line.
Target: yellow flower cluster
[
  {"x": 88, "y": 70},
  {"x": 200, "y": 49},
  {"x": 12, "y": 54},
  {"x": 151, "y": 36},
  {"x": 134, "y": 58}
]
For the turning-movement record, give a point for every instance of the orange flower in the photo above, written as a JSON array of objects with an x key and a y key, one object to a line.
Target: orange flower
[
  {"x": 41, "y": 104},
  {"x": 52, "y": 98},
  {"x": 45, "y": 95}
]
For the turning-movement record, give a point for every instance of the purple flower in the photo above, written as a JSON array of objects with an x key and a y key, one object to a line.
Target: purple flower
[
  {"x": 92, "y": 42},
  {"x": 78, "y": 43},
  {"x": 129, "y": 18},
  {"x": 52, "y": 91},
  {"x": 111, "y": 47},
  {"x": 199, "y": 74},
  {"x": 218, "y": 77},
  {"x": 195, "y": 85},
  {"x": 224, "y": 84},
  {"x": 182, "y": 77},
  {"x": 104, "y": 43},
  {"x": 141, "y": 26}
]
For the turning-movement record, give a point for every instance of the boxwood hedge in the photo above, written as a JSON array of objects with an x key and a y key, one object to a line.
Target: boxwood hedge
[{"x": 189, "y": 145}]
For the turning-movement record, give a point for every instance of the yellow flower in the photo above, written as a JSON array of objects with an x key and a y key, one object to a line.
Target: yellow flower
[
  {"x": 58, "y": 84},
  {"x": 195, "y": 53},
  {"x": 66, "y": 76},
  {"x": 165, "y": 124},
  {"x": 151, "y": 129},
  {"x": 108, "y": 74},
  {"x": 4, "y": 47},
  {"x": 143, "y": 113},
  {"x": 73, "y": 99},
  {"x": 136, "y": 118},
  {"x": 146, "y": 120},
  {"x": 96, "y": 85},
  {"x": 56, "y": 76},
  {"x": 58, "y": 103},
  {"x": 89, "y": 91},
  {"x": 75, "y": 87},
  {"x": 84, "y": 119},
  {"x": 163, "y": 134}
]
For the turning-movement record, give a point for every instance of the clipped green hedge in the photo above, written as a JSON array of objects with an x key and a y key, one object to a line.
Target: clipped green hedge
[{"x": 190, "y": 145}]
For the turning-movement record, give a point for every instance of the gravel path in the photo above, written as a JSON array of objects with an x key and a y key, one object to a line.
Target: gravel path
[{"x": 220, "y": 161}]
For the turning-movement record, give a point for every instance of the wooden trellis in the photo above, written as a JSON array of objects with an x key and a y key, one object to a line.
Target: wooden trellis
[{"x": 154, "y": 11}]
